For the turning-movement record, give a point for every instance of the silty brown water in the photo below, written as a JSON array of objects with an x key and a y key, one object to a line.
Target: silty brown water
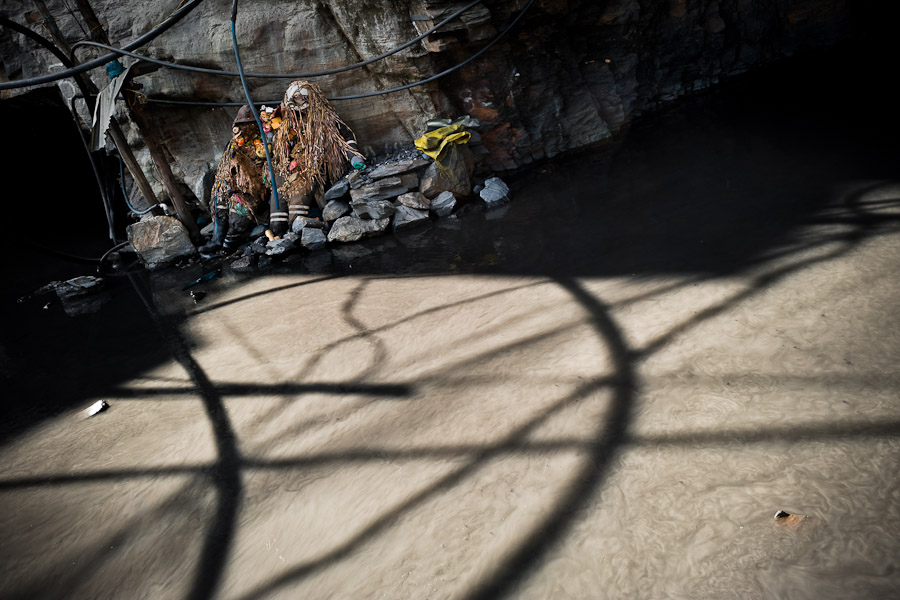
[{"x": 606, "y": 389}]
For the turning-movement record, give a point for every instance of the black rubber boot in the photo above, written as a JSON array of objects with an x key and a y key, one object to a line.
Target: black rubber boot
[
  {"x": 278, "y": 223},
  {"x": 238, "y": 228},
  {"x": 218, "y": 238}
]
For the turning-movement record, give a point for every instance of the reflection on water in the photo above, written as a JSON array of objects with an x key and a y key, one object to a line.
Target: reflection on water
[{"x": 605, "y": 389}]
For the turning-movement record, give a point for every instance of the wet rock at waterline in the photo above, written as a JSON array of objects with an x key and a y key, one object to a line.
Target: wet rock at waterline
[
  {"x": 159, "y": 241},
  {"x": 334, "y": 210},
  {"x": 285, "y": 244},
  {"x": 244, "y": 264},
  {"x": 443, "y": 204},
  {"x": 313, "y": 239},
  {"x": 407, "y": 217},
  {"x": 494, "y": 191},
  {"x": 416, "y": 200},
  {"x": 454, "y": 174},
  {"x": 372, "y": 209},
  {"x": 78, "y": 286},
  {"x": 351, "y": 229}
]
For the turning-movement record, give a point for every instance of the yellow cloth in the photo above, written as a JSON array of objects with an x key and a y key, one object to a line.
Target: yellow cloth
[{"x": 434, "y": 143}]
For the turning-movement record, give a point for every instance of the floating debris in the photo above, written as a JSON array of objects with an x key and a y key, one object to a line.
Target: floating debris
[
  {"x": 789, "y": 520},
  {"x": 201, "y": 279},
  {"x": 97, "y": 407}
]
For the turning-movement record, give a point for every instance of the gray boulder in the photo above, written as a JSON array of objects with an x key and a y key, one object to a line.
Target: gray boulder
[
  {"x": 407, "y": 217},
  {"x": 301, "y": 223},
  {"x": 383, "y": 189},
  {"x": 455, "y": 176},
  {"x": 159, "y": 241},
  {"x": 443, "y": 204},
  {"x": 334, "y": 210},
  {"x": 338, "y": 190},
  {"x": 79, "y": 286},
  {"x": 415, "y": 200},
  {"x": 351, "y": 229},
  {"x": 372, "y": 209},
  {"x": 494, "y": 192},
  {"x": 313, "y": 239},
  {"x": 398, "y": 167},
  {"x": 285, "y": 244}
]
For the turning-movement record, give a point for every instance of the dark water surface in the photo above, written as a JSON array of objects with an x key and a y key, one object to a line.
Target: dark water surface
[{"x": 770, "y": 167}]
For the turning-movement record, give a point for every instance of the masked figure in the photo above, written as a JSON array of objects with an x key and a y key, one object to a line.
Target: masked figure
[
  {"x": 241, "y": 190},
  {"x": 313, "y": 147}
]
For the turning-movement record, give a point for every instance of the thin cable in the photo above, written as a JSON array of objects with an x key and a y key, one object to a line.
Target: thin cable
[
  {"x": 262, "y": 134},
  {"x": 107, "y": 253},
  {"x": 141, "y": 41},
  {"x": 125, "y": 194},
  {"x": 107, "y": 208},
  {"x": 62, "y": 253},
  {"x": 180, "y": 67},
  {"x": 369, "y": 94}
]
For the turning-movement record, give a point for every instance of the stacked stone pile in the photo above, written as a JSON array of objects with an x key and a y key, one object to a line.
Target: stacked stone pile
[{"x": 406, "y": 189}]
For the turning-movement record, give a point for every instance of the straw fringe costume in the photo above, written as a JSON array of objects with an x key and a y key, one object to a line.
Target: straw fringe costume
[
  {"x": 240, "y": 191},
  {"x": 312, "y": 149}
]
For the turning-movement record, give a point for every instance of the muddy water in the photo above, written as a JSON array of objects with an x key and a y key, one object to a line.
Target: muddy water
[{"x": 604, "y": 390}]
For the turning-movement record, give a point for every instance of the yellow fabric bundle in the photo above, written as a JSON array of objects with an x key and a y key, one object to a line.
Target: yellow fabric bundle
[{"x": 434, "y": 143}]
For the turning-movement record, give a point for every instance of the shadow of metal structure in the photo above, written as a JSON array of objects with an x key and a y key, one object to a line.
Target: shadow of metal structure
[{"x": 678, "y": 197}]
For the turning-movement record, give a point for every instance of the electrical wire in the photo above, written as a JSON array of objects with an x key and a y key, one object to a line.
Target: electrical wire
[
  {"x": 125, "y": 194},
  {"x": 262, "y": 134},
  {"x": 180, "y": 67},
  {"x": 107, "y": 253},
  {"x": 368, "y": 94},
  {"x": 55, "y": 252},
  {"x": 107, "y": 207},
  {"x": 141, "y": 41},
  {"x": 335, "y": 98}
]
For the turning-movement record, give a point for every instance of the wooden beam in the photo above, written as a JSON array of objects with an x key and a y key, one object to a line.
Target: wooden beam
[
  {"x": 148, "y": 133},
  {"x": 88, "y": 89}
]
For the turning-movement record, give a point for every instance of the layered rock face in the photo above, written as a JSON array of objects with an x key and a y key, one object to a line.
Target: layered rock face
[{"x": 569, "y": 74}]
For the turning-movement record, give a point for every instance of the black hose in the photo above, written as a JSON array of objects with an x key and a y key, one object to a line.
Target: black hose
[
  {"x": 262, "y": 133},
  {"x": 125, "y": 193},
  {"x": 107, "y": 206},
  {"x": 180, "y": 67},
  {"x": 368, "y": 94},
  {"x": 141, "y": 41},
  {"x": 107, "y": 253}
]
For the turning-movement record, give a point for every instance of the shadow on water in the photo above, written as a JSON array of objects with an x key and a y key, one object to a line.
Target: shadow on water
[{"x": 715, "y": 186}]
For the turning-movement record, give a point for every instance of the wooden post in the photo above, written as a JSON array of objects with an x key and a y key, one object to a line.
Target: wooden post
[
  {"x": 88, "y": 89},
  {"x": 98, "y": 34}
]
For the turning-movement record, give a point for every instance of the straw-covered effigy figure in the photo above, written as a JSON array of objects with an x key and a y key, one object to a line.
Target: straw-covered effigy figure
[
  {"x": 312, "y": 149},
  {"x": 240, "y": 192}
]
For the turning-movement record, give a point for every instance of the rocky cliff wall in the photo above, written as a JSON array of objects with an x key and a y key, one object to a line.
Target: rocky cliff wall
[{"x": 571, "y": 73}]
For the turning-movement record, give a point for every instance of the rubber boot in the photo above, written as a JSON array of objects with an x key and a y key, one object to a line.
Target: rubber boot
[
  {"x": 238, "y": 228},
  {"x": 219, "y": 233}
]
